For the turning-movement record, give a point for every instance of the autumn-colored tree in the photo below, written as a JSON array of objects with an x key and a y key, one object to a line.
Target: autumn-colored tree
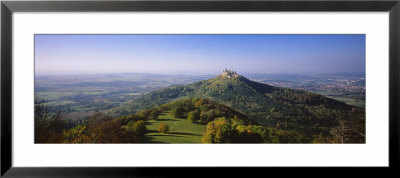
[
  {"x": 48, "y": 129},
  {"x": 75, "y": 135},
  {"x": 163, "y": 128},
  {"x": 137, "y": 127},
  {"x": 218, "y": 131},
  {"x": 102, "y": 129}
]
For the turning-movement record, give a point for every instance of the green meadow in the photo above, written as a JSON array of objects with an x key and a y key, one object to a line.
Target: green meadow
[
  {"x": 180, "y": 130},
  {"x": 349, "y": 101}
]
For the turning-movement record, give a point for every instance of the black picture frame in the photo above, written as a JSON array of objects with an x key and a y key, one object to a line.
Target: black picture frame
[{"x": 8, "y": 7}]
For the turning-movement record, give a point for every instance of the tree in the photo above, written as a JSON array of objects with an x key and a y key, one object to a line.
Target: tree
[
  {"x": 210, "y": 115},
  {"x": 137, "y": 127},
  {"x": 203, "y": 117},
  {"x": 193, "y": 116},
  {"x": 163, "y": 128},
  {"x": 177, "y": 111},
  {"x": 103, "y": 129},
  {"x": 49, "y": 129},
  {"x": 218, "y": 131},
  {"x": 153, "y": 114},
  {"x": 144, "y": 114}
]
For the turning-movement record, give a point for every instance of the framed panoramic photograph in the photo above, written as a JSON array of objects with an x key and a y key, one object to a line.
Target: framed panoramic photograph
[
  {"x": 175, "y": 89},
  {"x": 114, "y": 88}
]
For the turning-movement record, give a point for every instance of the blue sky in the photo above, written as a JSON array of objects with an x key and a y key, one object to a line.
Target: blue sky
[{"x": 199, "y": 54}]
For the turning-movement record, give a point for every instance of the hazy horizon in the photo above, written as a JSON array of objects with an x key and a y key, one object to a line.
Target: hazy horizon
[
  {"x": 198, "y": 74},
  {"x": 199, "y": 54}
]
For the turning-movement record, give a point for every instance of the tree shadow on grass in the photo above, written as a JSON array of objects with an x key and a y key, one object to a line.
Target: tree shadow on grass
[
  {"x": 183, "y": 133},
  {"x": 151, "y": 140},
  {"x": 167, "y": 120},
  {"x": 170, "y": 134},
  {"x": 178, "y": 133},
  {"x": 152, "y": 131},
  {"x": 167, "y": 135}
]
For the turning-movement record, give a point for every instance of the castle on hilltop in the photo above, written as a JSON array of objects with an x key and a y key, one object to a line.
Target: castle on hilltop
[{"x": 229, "y": 73}]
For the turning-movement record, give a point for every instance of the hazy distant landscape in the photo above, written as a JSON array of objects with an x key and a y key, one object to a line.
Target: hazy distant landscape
[
  {"x": 345, "y": 87},
  {"x": 200, "y": 89},
  {"x": 79, "y": 96}
]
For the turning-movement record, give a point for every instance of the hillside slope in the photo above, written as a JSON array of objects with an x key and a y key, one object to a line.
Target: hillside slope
[{"x": 282, "y": 108}]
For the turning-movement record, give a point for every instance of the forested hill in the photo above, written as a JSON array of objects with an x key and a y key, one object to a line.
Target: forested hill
[{"x": 270, "y": 106}]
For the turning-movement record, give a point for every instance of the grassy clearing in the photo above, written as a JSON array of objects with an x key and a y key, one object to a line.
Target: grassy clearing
[
  {"x": 180, "y": 130},
  {"x": 134, "y": 94},
  {"x": 350, "y": 101}
]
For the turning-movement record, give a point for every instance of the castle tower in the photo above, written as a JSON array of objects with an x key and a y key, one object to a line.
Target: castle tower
[{"x": 229, "y": 73}]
